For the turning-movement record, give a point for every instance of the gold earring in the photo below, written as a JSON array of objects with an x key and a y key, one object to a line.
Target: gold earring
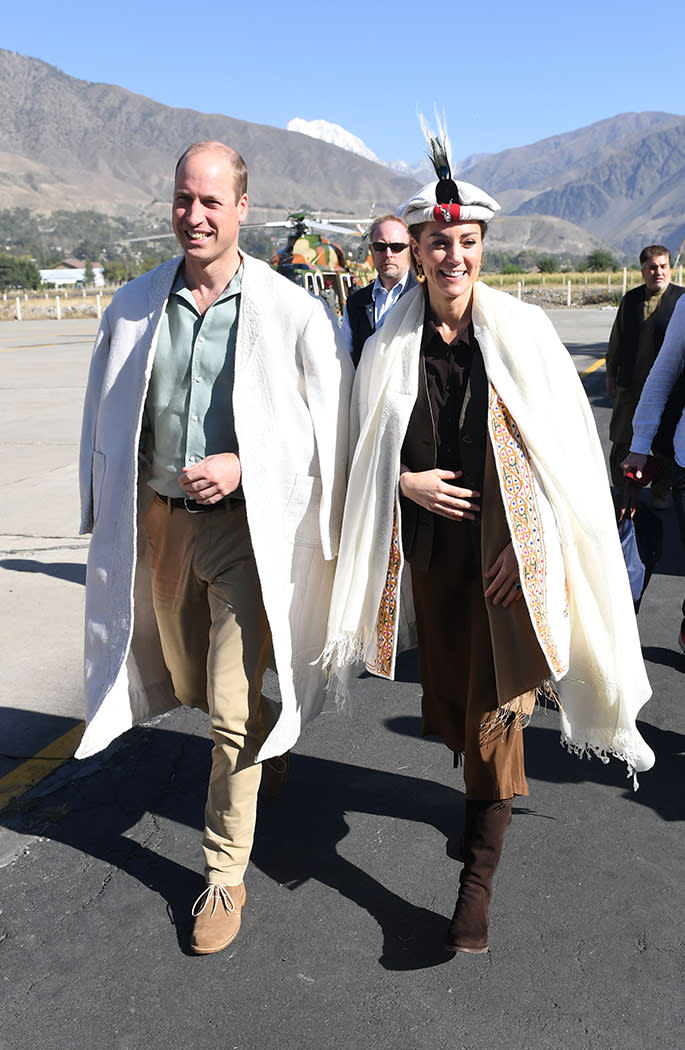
[{"x": 420, "y": 275}]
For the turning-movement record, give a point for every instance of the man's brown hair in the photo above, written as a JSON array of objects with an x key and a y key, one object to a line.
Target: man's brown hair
[{"x": 234, "y": 159}]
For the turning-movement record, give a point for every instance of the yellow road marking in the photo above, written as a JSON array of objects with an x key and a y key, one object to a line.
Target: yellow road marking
[
  {"x": 593, "y": 367},
  {"x": 35, "y": 769}
]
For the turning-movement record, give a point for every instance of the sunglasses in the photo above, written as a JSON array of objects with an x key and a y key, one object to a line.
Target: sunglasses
[{"x": 382, "y": 246}]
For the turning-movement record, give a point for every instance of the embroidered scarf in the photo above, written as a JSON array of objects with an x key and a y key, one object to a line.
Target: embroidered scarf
[{"x": 556, "y": 497}]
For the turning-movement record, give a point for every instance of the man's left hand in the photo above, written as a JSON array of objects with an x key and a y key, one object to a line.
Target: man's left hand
[{"x": 212, "y": 478}]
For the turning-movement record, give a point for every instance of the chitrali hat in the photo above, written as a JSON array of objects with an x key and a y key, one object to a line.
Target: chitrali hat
[{"x": 446, "y": 201}]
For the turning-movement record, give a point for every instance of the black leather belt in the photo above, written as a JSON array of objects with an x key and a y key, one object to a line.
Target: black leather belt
[{"x": 191, "y": 505}]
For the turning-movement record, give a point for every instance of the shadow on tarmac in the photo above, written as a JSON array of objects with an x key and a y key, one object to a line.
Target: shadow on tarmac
[
  {"x": 61, "y": 570},
  {"x": 115, "y": 807},
  {"x": 165, "y": 773},
  {"x": 23, "y": 733},
  {"x": 549, "y": 762},
  {"x": 594, "y": 385},
  {"x": 657, "y": 654}
]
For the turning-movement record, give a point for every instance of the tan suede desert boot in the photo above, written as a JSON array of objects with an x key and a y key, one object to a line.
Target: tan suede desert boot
[{"x": 217, "y": 918}]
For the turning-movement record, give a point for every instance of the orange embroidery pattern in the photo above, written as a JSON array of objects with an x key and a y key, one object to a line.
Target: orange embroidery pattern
[
  {"x": 522, "y": 512},
  {"x": 387, "y": 610}
]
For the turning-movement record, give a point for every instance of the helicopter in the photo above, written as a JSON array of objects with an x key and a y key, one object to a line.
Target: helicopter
[
  {"x": 319, "y": 265},
  {"x": 309, "y": 259}
]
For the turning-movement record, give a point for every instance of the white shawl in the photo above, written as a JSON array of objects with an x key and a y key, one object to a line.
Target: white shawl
[{"x": 557, "y": 501}]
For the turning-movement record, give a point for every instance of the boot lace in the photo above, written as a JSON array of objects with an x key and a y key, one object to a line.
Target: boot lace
[{"x": 213, "y": 895}]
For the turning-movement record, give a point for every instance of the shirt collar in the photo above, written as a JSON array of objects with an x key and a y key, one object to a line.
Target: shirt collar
[
  {"x": 181, "y": 289},
  {"x": 396, "y": 289}
]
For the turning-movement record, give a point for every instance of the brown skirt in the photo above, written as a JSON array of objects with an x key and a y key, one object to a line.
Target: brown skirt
[{"x": 479, "y": 664}]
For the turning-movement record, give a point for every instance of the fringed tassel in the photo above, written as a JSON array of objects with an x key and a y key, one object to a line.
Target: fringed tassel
[
  {"x": 619, "y": 749},
  {"x": 338, "y": 661},
  {"x": 547, "y": 695},
  {"x": 604, "y": 754}
]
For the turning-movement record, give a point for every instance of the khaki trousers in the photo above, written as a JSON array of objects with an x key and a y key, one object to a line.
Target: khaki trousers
[{"x": 216, "y": 643}]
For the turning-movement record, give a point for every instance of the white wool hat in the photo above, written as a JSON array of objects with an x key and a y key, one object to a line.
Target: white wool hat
[{"x": 471, "y": 205}]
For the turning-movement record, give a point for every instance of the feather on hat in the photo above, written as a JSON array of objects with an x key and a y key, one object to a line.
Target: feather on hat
[{"x": 446, "y": 201}]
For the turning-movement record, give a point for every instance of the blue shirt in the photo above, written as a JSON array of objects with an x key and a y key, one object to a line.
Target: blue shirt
[{"x": 383, "y": 299}]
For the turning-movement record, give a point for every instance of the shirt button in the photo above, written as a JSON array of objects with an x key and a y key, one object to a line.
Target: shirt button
[{"x": 195, "y": 418}]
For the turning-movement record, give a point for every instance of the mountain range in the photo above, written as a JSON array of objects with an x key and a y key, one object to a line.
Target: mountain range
[
  {"x": 72, "y": 144},
  {"x": 68, "y": 143}
]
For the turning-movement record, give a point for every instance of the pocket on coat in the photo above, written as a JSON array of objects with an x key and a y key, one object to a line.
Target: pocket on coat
[
  {"x": 98, "y": 474},
  {"x": 301, "y": 514}
]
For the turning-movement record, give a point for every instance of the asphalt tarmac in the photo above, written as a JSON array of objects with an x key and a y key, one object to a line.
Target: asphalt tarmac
[{"x": 350, "y": 886}]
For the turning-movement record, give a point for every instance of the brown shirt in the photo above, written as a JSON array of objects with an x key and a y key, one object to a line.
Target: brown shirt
[{"x": 448, "y": 367}]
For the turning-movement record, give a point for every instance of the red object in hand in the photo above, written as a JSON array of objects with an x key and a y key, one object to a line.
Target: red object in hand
[{"x": 652, "y": 469}]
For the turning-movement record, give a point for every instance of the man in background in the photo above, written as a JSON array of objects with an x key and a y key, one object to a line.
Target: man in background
[
  {"x": 367, "y": 308},
  {"x": 636, "y": 337}
]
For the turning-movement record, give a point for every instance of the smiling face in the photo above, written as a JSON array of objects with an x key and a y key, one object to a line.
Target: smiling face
[
  {"x": 656, "y": 272},
  {"x": 451, "y": 257},
  {"x": 206, "y": 216}
]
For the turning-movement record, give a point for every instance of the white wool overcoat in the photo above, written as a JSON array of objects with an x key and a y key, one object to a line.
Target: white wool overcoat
[{"x": 290, "y": 403}]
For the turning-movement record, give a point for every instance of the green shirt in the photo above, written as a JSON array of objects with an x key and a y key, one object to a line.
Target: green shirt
[{"x": 189, "y": 407}]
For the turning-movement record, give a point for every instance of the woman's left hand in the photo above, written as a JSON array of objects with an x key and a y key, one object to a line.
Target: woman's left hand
[{"x": 505, "y": 587}]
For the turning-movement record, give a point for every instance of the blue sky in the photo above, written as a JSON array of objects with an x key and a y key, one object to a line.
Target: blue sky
[{"x": 505, "y": 73}]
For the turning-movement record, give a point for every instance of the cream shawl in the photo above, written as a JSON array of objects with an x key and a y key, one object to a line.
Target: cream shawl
[{"x": 554, "y": 487}]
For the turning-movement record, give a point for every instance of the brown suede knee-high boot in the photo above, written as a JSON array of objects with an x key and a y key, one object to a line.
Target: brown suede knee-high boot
[{"x": 486, "y": 823}]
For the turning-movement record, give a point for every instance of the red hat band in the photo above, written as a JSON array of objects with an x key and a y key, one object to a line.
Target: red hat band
[{"x": 447, "y": 212}]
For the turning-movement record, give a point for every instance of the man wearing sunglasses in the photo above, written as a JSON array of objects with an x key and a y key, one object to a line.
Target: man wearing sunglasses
[{"x": 367, "y": 308}]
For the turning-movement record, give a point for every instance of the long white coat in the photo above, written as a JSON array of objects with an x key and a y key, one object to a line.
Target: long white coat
[{"x": 290, "y": 402}]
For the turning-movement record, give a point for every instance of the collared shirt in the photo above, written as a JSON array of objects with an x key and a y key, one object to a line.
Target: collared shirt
[
  {"x": 189, "y": 407},
  {"x": 383, "y": 300}
]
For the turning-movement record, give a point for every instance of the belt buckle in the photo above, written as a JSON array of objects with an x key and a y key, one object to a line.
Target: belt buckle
[{"x": 197, "y": 510}]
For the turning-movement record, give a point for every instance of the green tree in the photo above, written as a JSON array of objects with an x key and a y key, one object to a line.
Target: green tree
[
  {"x": 17, "y": 272},
  {"x": 117, "y": 272},
  {"x": 148, "y": 262},
  {"x": 548, "y": 264},
  {"x": 601, "y": 260},
  {"x": 88, "y": 274}
]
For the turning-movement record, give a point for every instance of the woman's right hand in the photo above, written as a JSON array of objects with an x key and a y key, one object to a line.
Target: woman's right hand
[{"x": 432, "y": 489}]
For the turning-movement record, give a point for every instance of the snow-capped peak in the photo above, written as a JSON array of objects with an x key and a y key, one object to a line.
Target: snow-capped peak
[
  {"x": 333, "y": 133},
  {"x": 325, "y": 131}
]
